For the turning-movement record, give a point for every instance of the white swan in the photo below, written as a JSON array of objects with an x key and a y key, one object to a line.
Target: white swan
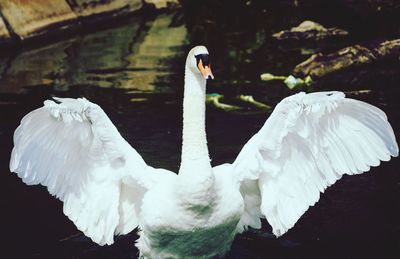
[{"x": 309, "y": 142}]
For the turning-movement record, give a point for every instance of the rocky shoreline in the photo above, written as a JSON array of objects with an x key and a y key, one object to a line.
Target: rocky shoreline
[{"x": 22, "y": 20}]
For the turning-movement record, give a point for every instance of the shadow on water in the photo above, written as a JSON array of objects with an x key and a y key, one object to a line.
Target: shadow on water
[{"x": 135, "y": 72}]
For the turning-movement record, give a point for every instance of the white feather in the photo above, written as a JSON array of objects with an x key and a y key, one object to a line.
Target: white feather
[
  {"x": 308, "y": 143},
  {"x": 74, "y": 149}
]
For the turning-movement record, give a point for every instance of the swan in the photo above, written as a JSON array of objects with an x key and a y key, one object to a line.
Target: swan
[{"x": 107, "y": 189}]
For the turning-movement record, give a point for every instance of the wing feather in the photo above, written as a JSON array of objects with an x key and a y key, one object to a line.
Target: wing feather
[
  {"x": 307, "y": 144},
  {"x": 73, "y": 149}
]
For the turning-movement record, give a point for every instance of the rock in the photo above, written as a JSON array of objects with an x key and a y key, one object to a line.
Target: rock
[
  {"x": 319, "y": 65},
  {"x": 308, "y": 26},
  {"x": 309, "y": 30},
  {"x": 29, "y": 19},
  {"x": 32, "y": 18},
  {"x": 5, "y": 35},
  {"x": 88, "y": 8},
  {"x": 160, "y": 4}
]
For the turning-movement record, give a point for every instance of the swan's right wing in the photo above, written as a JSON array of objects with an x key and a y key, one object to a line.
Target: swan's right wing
[
  {"x": 74, "y": 150},
  {"x": 306, "y": 145}
]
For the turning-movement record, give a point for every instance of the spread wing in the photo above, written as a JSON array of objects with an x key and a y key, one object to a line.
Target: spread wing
[
  {"x": 73, "y": 148},
  {"x": 307, "y": 144}
]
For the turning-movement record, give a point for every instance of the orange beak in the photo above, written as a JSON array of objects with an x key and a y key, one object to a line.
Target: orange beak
[{"x": 205, "y": 70}]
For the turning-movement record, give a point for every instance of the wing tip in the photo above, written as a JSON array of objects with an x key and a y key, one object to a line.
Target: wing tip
[
  {"x": 395, "y": 151},
  {"x": 392, "y": 147},
  {"x": 14, "y": 161}
]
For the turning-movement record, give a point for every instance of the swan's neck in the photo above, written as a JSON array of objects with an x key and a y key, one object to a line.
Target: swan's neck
[
  {"x": 196, "y": 184},
  {"x": 194, "y": 147}
]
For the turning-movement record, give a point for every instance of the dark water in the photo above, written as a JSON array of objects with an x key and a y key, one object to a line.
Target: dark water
[{"x": 134, "y": 71}]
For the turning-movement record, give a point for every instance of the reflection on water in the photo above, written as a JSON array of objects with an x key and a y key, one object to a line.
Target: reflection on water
[
  {"x": 133, "y": 56},
  {"x": 135, "y": 72},
  {"x": 33, "y": 68}
]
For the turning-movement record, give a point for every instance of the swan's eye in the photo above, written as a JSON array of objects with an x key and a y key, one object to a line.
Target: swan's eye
[
  {"x": 204, "y": 59},
  {"x": 204, "y": 66}
]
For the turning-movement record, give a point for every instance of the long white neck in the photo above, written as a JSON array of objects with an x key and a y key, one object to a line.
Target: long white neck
[
  {"x": 196, "y": 182},
  {"x": 194, "y": 147}
]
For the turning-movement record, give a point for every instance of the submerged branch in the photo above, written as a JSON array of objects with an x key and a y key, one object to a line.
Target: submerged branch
[
  {"x": 290, "y": 81},
  {"x": 214, "y": 100}
]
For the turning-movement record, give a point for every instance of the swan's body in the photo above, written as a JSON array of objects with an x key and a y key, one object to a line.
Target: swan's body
[
  {"x": 308, "y": 143},
  {"x": 200, "y": 227}
]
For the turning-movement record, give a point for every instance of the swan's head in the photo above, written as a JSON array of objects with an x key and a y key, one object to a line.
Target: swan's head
[{"x": 199, "y": 62}]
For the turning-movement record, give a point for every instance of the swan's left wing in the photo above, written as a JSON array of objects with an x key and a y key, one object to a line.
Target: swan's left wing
[
  {"x": 74, "y": 150},
  {"x": 307, "y": 144}
]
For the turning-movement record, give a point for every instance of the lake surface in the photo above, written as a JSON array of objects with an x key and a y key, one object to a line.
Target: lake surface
[{"x": 134, "y": 70}]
